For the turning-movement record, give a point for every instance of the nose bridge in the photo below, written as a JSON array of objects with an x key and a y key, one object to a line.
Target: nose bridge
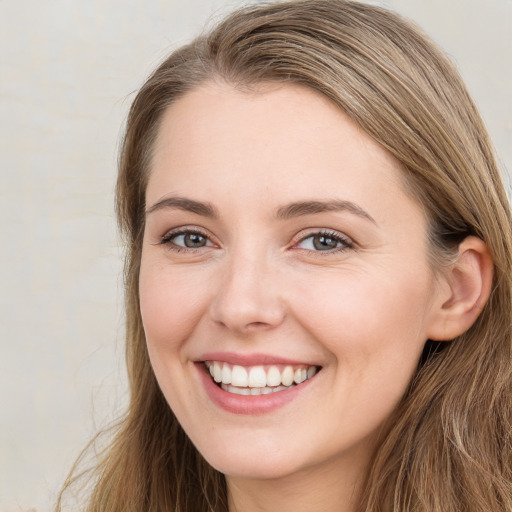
[{"x": 248, "y": 297}]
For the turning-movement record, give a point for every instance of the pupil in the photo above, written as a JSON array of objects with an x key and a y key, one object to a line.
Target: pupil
[
  {"x": 194, "y": 240},
  {"x": 324, "y": 243}
]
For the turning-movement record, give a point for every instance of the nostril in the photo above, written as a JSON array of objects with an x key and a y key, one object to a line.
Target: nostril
[{"x": 256, "y": 325}]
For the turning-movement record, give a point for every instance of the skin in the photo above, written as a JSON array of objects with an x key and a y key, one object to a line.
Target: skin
[{"x": 362, "y": 311}]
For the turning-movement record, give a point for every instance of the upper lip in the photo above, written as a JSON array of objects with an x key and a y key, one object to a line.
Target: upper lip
[{"x": 251, "y": 359}]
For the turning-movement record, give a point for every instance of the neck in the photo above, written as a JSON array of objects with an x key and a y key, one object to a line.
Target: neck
[{"x": 330, "y": 488}]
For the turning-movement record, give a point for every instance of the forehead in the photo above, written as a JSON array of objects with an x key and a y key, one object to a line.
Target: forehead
[{"x": 282, "y": 142}]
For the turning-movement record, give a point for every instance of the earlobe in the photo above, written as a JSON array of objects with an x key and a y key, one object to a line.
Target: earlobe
[{"x": 468, "y": 284}]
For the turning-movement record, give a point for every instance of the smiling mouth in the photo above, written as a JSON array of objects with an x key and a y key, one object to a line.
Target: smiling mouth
[{"x": 258, "y": 380}]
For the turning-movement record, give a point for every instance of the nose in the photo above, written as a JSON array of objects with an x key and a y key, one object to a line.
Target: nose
[{"x": 249, "y": 297}]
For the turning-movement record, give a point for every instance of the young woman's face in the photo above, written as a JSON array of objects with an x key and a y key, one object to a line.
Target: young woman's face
[{"x": 282, "y": 254}]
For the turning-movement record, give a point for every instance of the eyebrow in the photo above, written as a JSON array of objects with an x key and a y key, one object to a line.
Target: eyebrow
[
  {"x": 296, "y": 209},
  {"x": 301, "y": 208},
  {"x": 183, "y": 203}
]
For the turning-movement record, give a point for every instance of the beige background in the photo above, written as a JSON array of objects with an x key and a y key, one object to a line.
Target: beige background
[{"x": 68, "y": 71}]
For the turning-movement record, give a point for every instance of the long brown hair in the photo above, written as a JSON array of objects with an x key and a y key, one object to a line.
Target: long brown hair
[{"x": 449, "y": 447}]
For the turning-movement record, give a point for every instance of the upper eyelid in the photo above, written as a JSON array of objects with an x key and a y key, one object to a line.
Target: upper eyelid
[
  {"x": 297, "y": 238},
  {"x": 304, "y": 234},
  {"x": 184, "y": 230}
]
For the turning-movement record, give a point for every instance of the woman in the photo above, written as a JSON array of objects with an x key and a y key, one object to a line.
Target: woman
[{"x": 318, "y": 276}]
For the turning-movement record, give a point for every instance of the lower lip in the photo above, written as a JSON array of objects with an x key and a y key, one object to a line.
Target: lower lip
[{"x": 248, "y": 404}]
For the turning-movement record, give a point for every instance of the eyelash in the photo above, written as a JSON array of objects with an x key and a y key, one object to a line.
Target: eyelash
[
  {"x": 346, "y": 243},
  {"x": 167, "y": 239}
]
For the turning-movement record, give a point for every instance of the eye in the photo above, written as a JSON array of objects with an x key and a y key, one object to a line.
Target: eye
[
  {"x": 186, "y": 239},
  {"x": 324, "y": 242}
]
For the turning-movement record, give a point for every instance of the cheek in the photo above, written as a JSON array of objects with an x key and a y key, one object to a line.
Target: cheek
[
  {"x": 374, "y": 333},
  {"x": 374, "y": 326},
  {"x": 171, "y": 304},
  {"x": 358, "y": 303}
]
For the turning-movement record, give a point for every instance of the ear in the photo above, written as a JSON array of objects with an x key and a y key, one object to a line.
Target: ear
[{"x": 464, "y": 290}]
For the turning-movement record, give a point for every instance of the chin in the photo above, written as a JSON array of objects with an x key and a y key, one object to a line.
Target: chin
[
  {"x": 263, "y": 458},
  {"x": 242, "y": 467}
]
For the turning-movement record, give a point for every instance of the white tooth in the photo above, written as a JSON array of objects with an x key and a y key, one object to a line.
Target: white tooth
[
  {"x": 228, "y": 388},
  {"x": 217, "y": 372},
  {"x": 257, "y": 377},
  {"x": 311, "y": 371},
  {"x": 287, "y": 377},
  {"x": 265, "y": 391},
  {"x": 239, "y": 376},
  {"x": 210, "y": 368},
  {"x": 299, "y": 375},
  {"x": 256, "y": 391},
  {"x": 241, "y": 391},
  {"x": 279, "y": 388},
  {"x": 226, "y": 374},
  {"x": 273, "y": 376}
]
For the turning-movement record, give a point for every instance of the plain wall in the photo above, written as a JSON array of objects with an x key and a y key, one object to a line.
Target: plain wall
[{"x": 68, "y": 72}]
